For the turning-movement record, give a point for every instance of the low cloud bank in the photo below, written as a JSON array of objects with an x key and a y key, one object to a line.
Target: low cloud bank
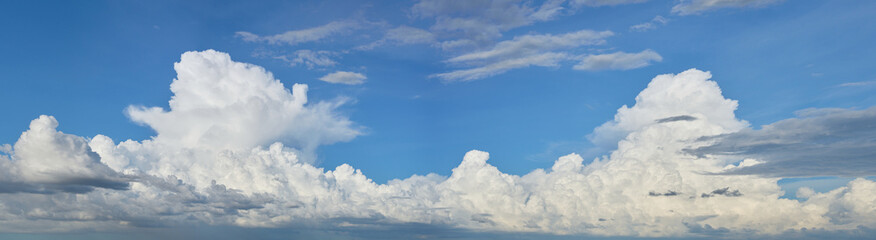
[{"x": 229, "y": 152}]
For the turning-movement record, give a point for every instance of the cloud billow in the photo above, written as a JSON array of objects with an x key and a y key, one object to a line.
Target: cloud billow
[
  {"x": 219, "y": 103},
  {"x": 45, "y": 160},
  {"x": 225, "y": 170}
]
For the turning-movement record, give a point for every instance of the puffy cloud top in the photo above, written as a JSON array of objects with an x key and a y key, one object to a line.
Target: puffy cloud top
[
  {"x": 689, "y": 93},
  {"x": 221, "y": 103},
  {"x": 46, "y": 160}
]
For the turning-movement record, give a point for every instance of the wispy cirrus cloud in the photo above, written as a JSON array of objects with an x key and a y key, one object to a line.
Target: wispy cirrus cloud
[
  {"x": 599, "y": 3},
  {"x": 402, "y": 35},
  {"x": 470, "y": 30},
  {"x": 522, "y": 51},
  {"x": 858, "y": 84},
  {"x": 310, "y": 58},
  {"x": 618, "y": 61},
  {"x": 477, "y": 23},
  {"x": 549, "y": 59},
  {"x": 532, "y": 44},
  {"x": 650, "y": 25},
  {"x": 296, "y": 37},
  {"x": 691, "y": 7},
  {"x": 342, "y": 77}
]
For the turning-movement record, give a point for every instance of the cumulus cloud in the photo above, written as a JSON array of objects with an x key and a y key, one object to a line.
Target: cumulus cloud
[
  {"x": 647, "y": 186},
  {"x": 220, "y": 103},
  {"x": 341, "y": 77},
  {"x": 661, "y": 98},
  {"x": 618, "y": 61},
  {"x": 296, "y": 37},
  {"x": 819, "y": 142},
  {"x": 45, "y": 160},
  {"x": 522, "y": 51},
  {"x": 689, "y": 7}
]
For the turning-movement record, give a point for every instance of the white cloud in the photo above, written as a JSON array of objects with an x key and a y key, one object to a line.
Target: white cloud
[
  {"x": 479, "y": 22},
  {"x": 618, "y": 61},
  {"x": 310, "y": 58},
  {"x": 650, "y": 25},
  {"x": 522, "y": 51},
  {"x": 473, "y": 25},
  {"x": 549, "y": 59},
  {"x": 44, "y": 160},
  {"x": 689, "y": 7},
  {"x": 533, "y": 44},
  {"x": 598, "y": 3},
  {"x": 662, "y": 99},
  {"x": 402, "y": 35},
  {"x": 219, "y": 103},
  {"x": 304, "y": 35},
  {"x": 646, "y": 187},
  {"x": 409, "y": 35},
  {"x": 857, "y": 84},
  {"x": 341, "y": 77}
]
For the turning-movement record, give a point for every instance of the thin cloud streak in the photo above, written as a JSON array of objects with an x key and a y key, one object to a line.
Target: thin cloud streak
[{"x": 296, "y": 37}]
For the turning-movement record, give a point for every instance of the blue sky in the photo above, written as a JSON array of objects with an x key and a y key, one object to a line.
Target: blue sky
[{"x": 86, "y": 63}]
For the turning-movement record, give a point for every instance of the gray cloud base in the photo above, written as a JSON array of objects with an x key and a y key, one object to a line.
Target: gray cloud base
[{"x": 820, "y": 142}]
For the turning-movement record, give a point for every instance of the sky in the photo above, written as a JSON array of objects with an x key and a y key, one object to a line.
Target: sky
[{"x": 438, "y": 119}]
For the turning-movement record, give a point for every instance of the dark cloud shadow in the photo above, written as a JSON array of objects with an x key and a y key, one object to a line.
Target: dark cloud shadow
[
  {"x": 819, "y": 142},
  {"x": 70, "y": 185},
  {"x": 676, "y": 119}
]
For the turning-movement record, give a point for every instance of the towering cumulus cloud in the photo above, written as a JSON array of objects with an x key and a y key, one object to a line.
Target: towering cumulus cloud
[
  {"x": 219, "y": 103},
  {"x": 228, "y": 152}
]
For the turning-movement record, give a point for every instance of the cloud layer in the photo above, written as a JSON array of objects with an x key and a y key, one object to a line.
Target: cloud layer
[
  {"x": 821, "y": 142},
  {"x": 214, "y": 165},
  {"x": 296, "y": 37},
  {"x": 618, "y": 61},
  {"x": 688, "y": 7},
  {"x": 472, "y": 34},
  {"x": 522, "y": 51}
]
